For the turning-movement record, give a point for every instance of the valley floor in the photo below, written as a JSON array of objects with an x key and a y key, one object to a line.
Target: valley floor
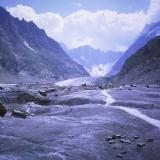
[{"x": 81, "y": 123}]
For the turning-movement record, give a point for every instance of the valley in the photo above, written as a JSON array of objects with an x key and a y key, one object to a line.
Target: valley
[
  {"x": 84, "y": 121},
  {"x": 79, "y": 86}
]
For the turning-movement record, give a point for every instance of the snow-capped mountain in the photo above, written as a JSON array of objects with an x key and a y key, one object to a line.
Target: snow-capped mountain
[
  {"x": 149, "y": 32},
  {"x": 95, "y": 61}
]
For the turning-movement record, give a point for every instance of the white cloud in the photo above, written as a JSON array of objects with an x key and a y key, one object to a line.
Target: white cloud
[
  {"x": 153, "y": 13},
  {"x": 51, "y": 22},
  {"x": 22, "y": 11},
  {"x": 103, "y": 29}
]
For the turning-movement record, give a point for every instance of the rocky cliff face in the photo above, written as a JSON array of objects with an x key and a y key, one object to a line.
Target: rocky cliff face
[
  {"x": 26, "y": 50},
  {"x": 149, "y": 32},
  {"x": 142, "y": 67}
]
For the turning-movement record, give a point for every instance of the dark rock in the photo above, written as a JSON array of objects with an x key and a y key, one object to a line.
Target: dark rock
[
  {"x": 147, "y": 86},
  {"x": 118, "y": 136},
  {"x": 123, "y": 152},
  {"x": 84, "y": 85},
  {"x": 26, "y": 97},
  {"x": 19, "y": 114},
  {"x": 112, "y": 142},
  {"x": 140, "y": 144},
  {"x": 1, "y": 88},
  {"x": 56, "y": 95},
  {"x": 119, "y": 156},
  {"x": 108, "y": 138},
  {"x": 132, "y": 85},
  {"x": 123, "y": 136},
  {"x": 100, "y": 87},
  {"x": 114, "y": 137},
  {"x": 44, "y": 94},
  {"x": 136, "y": 137},
  {"x": 43, "y": 102},
  {"x": 3, "y": 110}
]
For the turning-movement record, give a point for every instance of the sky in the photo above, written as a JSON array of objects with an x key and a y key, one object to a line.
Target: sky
[
  {"x": 65, "y": 7},
  {"x": 102, "y": 24}
]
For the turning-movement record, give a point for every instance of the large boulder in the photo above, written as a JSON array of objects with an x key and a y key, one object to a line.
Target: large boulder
[
  {"x": 3, "y": 110},
  {"x": 26, "y": 97}
]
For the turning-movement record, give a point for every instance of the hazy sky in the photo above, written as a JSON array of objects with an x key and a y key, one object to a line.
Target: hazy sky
[{"x": 103, "y": 24}]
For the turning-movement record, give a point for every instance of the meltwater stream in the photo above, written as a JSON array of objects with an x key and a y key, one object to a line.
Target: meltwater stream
[{"x": 135, "y": 112}]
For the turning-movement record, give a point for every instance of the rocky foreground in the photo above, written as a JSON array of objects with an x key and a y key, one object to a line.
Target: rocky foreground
[{"x": 84, "y": 122}]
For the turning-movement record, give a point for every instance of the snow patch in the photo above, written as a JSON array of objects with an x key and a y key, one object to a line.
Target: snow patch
[
  {"x": 29, "y": 47},
  {"x": 83, "y": 59},
  {"x": 109, "y": 100},
  {"x": 140, "y": 115},
  {"x": 99, "y": 70},
  {"x": 77, "y": 81},
  {"x": 158, "y": 34}
]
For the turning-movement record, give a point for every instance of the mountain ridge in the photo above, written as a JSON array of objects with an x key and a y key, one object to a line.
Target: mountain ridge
[
  {"x": 143, "y": 67},
  {"x": 149, "y": 32},
  {"x": 31, "y": 52}
]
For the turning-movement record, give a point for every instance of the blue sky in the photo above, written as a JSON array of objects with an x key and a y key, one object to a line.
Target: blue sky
[{"x": 65, "y": 7}]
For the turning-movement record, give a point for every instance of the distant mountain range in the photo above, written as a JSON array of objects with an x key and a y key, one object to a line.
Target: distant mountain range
[
  {"x": 26, "y": 51},
  {"x": 142, "y": 67},
  {"x": 96, "y": 62},
  {"x": 149, "y": 32}
]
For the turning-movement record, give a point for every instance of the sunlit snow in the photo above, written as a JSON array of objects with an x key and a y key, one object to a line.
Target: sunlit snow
[{"x": 29, "y": 47}]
